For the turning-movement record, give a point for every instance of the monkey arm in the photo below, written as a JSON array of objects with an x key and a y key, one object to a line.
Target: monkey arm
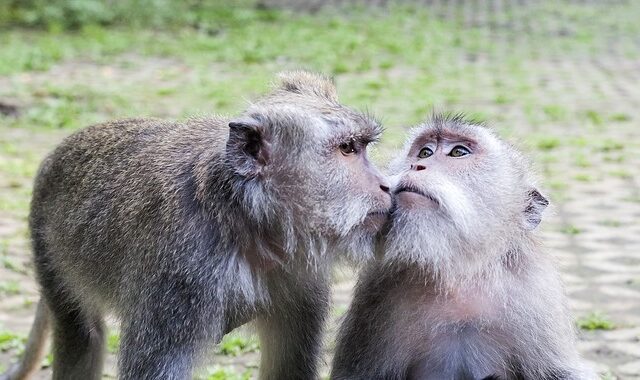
[
  {"x": 365, "y": 344},
  {"x": 290, "y": 328}
]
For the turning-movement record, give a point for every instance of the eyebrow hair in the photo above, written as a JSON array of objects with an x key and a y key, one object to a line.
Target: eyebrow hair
[
  {"x": 366, "y": 131},
  {"x": 371, "y": 136},
  {"x": 459, "y": 138},
  {"x": 363, "y": 137},
  {"x": 438, "y": 135}
]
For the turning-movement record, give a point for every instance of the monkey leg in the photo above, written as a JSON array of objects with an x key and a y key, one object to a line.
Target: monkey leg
[
  {"x": 78, "y": 331},
  {"x": 147, "y": 353},
  {"x": 165, "y": 330},
  {"x": 78, "y": 338},
  {"x": 78, "y": 345},
  {"x": 290, "y": 330}
]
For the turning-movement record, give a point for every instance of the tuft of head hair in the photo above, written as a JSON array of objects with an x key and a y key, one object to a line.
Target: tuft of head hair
[
  {"x": 454, "y": 118},
  {"x": 455, "y": 122},
  {"x": 307, "y": 83}
]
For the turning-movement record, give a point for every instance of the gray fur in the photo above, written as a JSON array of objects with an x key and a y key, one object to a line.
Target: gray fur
[
  {"x": 463, "y": 290},
  {"x": 186, "y": 231}
]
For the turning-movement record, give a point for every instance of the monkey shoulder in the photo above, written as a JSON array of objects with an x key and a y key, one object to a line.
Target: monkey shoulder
[
  {"x": 128, "y": 151},
  {"x": 160, "y": 136},
  {"x": 139, "y": 171}
]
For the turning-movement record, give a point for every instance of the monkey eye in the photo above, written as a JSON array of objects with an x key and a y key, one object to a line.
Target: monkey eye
[
  {"x": 425, "y": 152},
  {"x": 459, "y": 151},
  {"x": 348, "y": 148}
]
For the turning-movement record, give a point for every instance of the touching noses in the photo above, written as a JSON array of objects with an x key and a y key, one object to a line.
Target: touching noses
[
  {"x": 383, "y": 183},
  {"x": 383, "y": 197},
  {"x": 382, "y": 180},
  {"x": 417, "y": 167}
]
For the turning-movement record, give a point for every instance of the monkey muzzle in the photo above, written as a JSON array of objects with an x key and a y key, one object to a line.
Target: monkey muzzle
[
  {"x": 375, "y": 220},
  {"x": 409, "y": 195}
]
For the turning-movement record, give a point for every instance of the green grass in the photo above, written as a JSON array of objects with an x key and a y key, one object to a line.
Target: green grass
[
  {"x": 548, "y": 143},
  {"x": 247, "y": 37},
  {"x": 234, "y": 344},
  {"x": 621, "y": 173},
  {"x": 558, "y": 185},
  {"x": 583, "y": 177},
  {"x": 609, "y": 145},
  {"x": 502, "y": 99},
  {"x": 620, "y": 117},
  {"x": 608, "y": 376},
  {"x": 610, "y": 223},
  {"x": 338, "y": 310},
  {"x": 595, "y": 321},
  {"x": 113, "y": 342},
  {"x": 634, "y": 198},
  {"x": 12, "y": 265},
  {"x": 555, "y": 112},
  {"x": 571, "y": 230},
  {"x": 226, "y": 373},
  {"x": 10, "y": 341},
  {"x": 594, "y": 117},
  {"x": 582, "y": 161},
  {"x": 9, "y": 288},
  {"x": 614, "y": 158},
  {"x": 48, "y": 360}
]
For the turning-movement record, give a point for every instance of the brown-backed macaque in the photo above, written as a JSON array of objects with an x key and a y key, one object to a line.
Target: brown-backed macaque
[
  {"x": 185, "y": 231},
  {"x": 463, "y": 290}
]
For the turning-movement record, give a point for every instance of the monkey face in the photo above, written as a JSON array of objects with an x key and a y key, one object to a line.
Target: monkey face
[
  {"x": 303, "y": 165},
  {"x": 460, "y": 190},
  {"x": 354, "y": 193},
  {"x": 339, "y": 193}
]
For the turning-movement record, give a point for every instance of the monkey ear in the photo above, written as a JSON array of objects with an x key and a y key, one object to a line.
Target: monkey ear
[
  {"x": 248, "y": 149},
  {"x": 536, "y": 203}
]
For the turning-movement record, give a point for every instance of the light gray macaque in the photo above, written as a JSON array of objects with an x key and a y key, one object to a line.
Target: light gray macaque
[
  {"x": 185, "y": 231},
  {"x": 463, "y": 290}
]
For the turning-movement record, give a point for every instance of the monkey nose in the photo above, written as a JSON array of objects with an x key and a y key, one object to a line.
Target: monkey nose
[{"x": 417, "y": 167}]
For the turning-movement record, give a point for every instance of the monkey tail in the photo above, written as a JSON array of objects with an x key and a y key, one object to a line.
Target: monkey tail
[{"x": 35, "y": 348}]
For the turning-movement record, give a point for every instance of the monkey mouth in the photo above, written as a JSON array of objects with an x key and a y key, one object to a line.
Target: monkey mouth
[
  {"x": 378, "y": 214},
  {"x": 376, "y": 219},
  {"x": 415, "y": 190}
]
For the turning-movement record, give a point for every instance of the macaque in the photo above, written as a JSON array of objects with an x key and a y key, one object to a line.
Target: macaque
[
  {"x": 185, "y": 231},
  {"x": 462, "y": 290}
]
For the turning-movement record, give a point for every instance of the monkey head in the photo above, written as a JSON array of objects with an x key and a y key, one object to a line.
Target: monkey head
[
  {"x": 300, "y": 166},
  {"x": 462, "y": 197}
]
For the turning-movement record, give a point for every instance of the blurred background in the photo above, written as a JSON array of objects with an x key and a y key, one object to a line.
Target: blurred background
[{"x": 561, "y": 79}]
